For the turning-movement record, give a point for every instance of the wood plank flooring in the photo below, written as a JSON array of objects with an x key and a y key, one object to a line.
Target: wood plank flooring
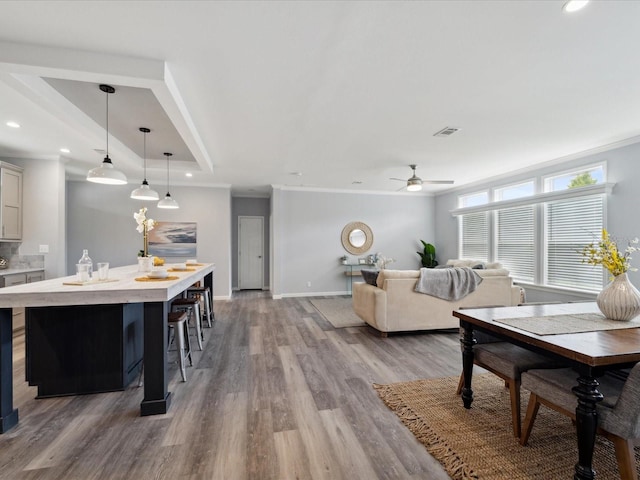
[{"x": 277, "y": 393}]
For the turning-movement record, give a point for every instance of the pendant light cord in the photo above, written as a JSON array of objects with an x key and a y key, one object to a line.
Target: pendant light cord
[
  {"x": 107, "y": 94},
  {"x": 144, "y": 150}
]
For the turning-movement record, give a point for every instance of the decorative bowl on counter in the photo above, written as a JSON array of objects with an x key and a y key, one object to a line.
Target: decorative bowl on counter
[{"x": 157, "y": 273}]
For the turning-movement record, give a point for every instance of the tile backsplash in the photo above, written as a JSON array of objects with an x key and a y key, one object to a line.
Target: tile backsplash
[{"x": 9, "y": 250}]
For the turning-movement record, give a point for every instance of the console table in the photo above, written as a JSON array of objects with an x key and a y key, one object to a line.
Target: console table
[
  {"x": 124, "y": 304},
  {"x": 353, "y": 270}
]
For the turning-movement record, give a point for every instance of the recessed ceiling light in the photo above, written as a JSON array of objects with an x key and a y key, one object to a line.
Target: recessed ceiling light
[
  {"x": 13, "y": 124},
  {"x": 65, "y": 150},
  {"x": 356, "y": 182},
  {"x": 188, "y": 174},
  {"x": 296, "y": 174},
  {"x": 574, "y": 5}
]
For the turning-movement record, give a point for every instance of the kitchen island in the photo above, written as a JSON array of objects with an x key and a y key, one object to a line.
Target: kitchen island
[{"x": 123, "y": 299}]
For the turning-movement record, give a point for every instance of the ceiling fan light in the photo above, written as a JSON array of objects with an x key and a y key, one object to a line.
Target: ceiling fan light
[
  {"x": 414, "y": 187},
  {"x": 168, "y": 202},
  {"x": 106, "y": 174},
  {"x": 144, "y": 192}
]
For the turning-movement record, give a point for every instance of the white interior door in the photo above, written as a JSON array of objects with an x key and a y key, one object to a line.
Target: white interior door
[{"x": 250, "y": 252}]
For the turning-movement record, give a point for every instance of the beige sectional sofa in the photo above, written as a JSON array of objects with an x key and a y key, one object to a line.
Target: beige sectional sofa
[{"x": 394, "y": 306}]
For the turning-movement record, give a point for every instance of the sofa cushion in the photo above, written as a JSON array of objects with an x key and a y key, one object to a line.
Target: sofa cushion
[
  {"x": 370, "y": 276},
  {"x": 475, "y": 264},
  {"x": 384, "y": 274}
]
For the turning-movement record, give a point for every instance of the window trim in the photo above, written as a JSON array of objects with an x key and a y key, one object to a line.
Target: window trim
[{"x": 600, "y": 188}]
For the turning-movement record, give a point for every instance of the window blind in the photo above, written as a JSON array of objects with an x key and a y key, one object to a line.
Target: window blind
[
  {"x": 516, "y": 242},
  {"x": 570, "y": 225},
  {"x": 474, "y": 241}
]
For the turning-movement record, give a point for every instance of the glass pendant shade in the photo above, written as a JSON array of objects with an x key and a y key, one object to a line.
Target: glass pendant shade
[
  {"x": 168, "y": 201},
  {"x": 106, "y": 173},
  {"x": 144, "y": 191}
]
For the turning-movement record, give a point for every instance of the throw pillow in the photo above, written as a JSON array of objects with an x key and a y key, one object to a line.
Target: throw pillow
[{"x": 370, "y": 276}]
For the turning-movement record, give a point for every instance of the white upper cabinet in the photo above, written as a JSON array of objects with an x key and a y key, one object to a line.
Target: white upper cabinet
[{"x": 10, "y": 202}]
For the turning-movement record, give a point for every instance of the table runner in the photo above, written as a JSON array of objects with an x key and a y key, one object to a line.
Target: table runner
[{"x": 567, "y": 323}]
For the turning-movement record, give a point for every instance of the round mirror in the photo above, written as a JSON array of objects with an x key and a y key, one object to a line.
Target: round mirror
[{"x": 357, "y": 238}]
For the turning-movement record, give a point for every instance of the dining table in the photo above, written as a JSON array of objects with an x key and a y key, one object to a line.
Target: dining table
[
  {"x": 576, "y": 332},
  {"x": 126, "y": 293}
]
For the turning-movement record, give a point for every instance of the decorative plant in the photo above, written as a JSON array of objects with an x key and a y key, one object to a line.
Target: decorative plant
[
  {"x": 428, "y": 255},
  {"x": 145, "y": 225},
  {"x": 606, "y": 253},
  {"x": 381, "y": 262}
]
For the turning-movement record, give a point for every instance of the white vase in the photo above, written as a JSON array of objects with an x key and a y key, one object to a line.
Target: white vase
[
  {"x": 145, "y": 264},
  {"x": 619, "y": 300}
]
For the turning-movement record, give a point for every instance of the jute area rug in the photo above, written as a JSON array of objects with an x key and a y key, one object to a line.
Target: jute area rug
[
  {"x": 338, "y": 311},
  {"x": 479, "y": 444}
]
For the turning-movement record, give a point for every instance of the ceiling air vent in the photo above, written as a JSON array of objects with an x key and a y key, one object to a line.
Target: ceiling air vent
[{"x": 446, "y": 132}]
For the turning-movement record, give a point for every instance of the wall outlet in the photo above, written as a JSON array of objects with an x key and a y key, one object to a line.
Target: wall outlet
[
  {"x": 44, "y": 248},
  {"x": 308, "y": 284}
]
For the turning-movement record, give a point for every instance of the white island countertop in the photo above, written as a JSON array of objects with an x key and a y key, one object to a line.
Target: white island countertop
[{"x": 122, "y": 287}]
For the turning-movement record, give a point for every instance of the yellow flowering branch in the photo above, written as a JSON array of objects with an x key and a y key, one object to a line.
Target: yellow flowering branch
[{"x": 606, "y": 253}]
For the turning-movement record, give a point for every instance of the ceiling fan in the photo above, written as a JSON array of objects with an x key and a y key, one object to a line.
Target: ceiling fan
[{"x": 414, "y": 184}]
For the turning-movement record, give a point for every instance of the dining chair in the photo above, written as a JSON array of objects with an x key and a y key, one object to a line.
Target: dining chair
[
  {"x": 618, "y": 412},
  {"x": 507, "y": 361}
]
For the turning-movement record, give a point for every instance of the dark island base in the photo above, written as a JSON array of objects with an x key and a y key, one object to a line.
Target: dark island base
[{"x": 83, "y": 349}]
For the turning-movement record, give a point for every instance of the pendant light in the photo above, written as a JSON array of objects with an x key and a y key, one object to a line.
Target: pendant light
[
  {"x": 106, "y": 173},
  {"x": 144, "y": 192},
  {"x": 167, "y": 201}
]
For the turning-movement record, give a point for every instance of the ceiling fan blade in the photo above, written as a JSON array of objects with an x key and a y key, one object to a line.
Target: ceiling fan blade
[
  {"x": 399, "y": 179},
  {"x": 438, "y": 182}
]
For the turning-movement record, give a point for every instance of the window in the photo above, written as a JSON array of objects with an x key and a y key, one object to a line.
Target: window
[
  {"x": 475, "y": 236},
  {"x": 515, "y": 232},
  {"x": 574, "y": 179},
  {"x": 537, "y": 233},
  {"x": 570, "y": 225},
  {"x": 474, "y": 228}
]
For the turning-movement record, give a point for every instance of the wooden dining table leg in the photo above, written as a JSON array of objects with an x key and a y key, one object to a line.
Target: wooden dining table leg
[
  {"x": 468, "y": 342},
  {"x": 586, "y": 424}
]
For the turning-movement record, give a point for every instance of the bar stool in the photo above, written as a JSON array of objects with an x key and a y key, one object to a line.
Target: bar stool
[
  {"x": 192, "y": 308},
  {"x": 177, "y": 322},
  {"x": 205, "y": 293}
]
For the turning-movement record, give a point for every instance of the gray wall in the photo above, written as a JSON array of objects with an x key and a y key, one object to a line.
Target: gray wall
[
  {"x": 622, "y": 218},
  {"x": 256, "y": 207},
  {"x": 100, "y": 219},
  {"x": 307, "y": 227}
]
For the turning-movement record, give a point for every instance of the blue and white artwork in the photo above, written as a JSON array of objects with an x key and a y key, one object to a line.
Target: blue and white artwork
[{"x": 173, "y": 239}]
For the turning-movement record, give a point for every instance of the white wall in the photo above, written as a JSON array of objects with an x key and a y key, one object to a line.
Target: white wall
[
  {"x": 307, "y": 227},
  {"x": 100, "y": 219},
  {"x": 43, "y": 201},
  {"x": 622, "y": 218}
]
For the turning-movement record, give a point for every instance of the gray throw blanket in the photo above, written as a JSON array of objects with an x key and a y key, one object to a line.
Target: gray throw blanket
[{"x": 448, "y": 283}]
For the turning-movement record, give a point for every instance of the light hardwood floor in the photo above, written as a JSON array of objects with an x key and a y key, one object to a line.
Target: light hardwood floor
[{"x": 277, "y": 393}]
